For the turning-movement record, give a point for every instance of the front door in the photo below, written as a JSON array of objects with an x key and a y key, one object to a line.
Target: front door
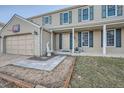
[{"x": 85, "y": 40}]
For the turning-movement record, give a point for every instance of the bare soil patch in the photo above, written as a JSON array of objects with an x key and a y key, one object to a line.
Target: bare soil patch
[
  {"x": 50, "y": 79},
  {"x": 6, "y": 84}
]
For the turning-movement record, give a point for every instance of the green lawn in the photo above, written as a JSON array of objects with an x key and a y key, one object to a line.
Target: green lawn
[{"x": 98, "y": 72}]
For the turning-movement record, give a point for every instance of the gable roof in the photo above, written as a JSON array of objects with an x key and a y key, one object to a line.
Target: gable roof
[{"x": 15, "y": 15}]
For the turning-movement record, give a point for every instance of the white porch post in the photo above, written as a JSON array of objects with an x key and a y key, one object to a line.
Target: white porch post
[
  {"x": 52, "y": 40},
  {"x": 72, "y": 40},
  {"x": 104, "y": 39}
]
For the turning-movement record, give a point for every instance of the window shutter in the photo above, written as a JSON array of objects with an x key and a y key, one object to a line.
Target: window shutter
[
  {"x": 50, "y": 19},
  {"x": 79, "y": 15},
  {"x": 71, "y": 41},
  {"x": 103, "y": 11},
  {"x": 101, "y": 38},
  {"x": 43, "y": 21},
  {"x": 79, "y": 39},
  {"x": 70, "y": 17},
  {"x": 91, "y": 39},
  {"x": 60, "y": 41},
  {"x": 61, "y": 18},
  {"x": 91, "y": 13},
  {"x": 119, "y": 10},
  {"x": 118, "y": 37}
]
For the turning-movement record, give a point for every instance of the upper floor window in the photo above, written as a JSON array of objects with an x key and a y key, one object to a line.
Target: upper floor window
[
  {"x": 111, "y": 10},
  {"x": 86, "y": 13},
  {"x": 66, "y": 17},
  {"x": 46, "y": 20}
]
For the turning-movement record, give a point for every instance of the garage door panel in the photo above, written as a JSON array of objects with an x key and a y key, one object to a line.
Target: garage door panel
[{"x": 22, "y": 45}]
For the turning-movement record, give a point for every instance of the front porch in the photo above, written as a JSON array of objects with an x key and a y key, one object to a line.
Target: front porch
[
  {"x": 96, "y": 45},
  {"x": 89, "y": 54}
]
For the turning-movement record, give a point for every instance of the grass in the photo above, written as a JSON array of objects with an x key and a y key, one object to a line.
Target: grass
[{"x": 98, "y": 72}]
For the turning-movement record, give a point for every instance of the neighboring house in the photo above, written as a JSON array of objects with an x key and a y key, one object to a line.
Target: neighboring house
[
  {"x": 1, "y": 26},
  {"x": 89, "y": 29}
]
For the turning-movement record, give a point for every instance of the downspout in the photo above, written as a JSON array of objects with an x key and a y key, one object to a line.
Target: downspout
[{"x": 41, "y": 30}]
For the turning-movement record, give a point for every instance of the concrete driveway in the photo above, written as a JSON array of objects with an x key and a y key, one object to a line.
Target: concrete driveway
[{"x": 9, "y": 59}]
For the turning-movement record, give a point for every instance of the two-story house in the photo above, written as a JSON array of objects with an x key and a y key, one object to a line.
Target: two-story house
[{"x": 86, "y": 29}]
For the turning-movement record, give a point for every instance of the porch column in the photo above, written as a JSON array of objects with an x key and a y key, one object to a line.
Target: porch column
[
  {"x": 52, "y": 40},
  {"x": 72, "y": 40},
  {"x": 104, "y": 39}
]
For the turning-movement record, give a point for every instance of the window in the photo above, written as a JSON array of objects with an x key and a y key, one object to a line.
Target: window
[
  {"x": 110, "y": 38},
  {"x": 111, "y": 10},
  {"x": 85, "y": 14},
  {"x": 47, "y": 19},
  {"x": 85, "y": 38},
  {"x": 65, "y": 17}
]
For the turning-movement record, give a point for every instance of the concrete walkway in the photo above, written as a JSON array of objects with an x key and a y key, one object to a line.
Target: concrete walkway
[
  {"x": 42, "y": 65},
  {"x": 6, "y": 59}
]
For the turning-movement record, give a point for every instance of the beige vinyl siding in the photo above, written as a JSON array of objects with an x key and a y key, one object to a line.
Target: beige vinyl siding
[
  {"x": 37, "y": 20},
  {"x": 117, "y": 50},
  {"x": 96, "y": 42},
  {"x": 97, "y": 18},
  {"x": 25, "y": 28}
]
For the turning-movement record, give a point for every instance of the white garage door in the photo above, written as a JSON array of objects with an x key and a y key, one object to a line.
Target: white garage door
[{"x": 22, "y": 45}]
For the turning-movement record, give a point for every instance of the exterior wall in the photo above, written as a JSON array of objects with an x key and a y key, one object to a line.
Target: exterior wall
[
  {"x": 25, "y": 28},
  {"x": 46, "y": 37},
  {"x": 117, "y": 50},
  {"x": 37, "y": 20},
  {"x": 97, "y": 18},
  {"x": 96, "y": 45}
]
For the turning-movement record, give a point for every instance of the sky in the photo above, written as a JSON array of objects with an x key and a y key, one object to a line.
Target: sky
[{"x": 7, "y": 11}]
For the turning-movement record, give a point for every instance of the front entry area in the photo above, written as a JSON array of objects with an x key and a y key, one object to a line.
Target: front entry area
[{"x": 20, "y": 44}]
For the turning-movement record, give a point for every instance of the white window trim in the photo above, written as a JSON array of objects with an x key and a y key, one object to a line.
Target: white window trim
[
  {"x": 114, "y": 38},
  {"x": 63, "y": 18},
  {"x": 82, "y": 39},
  {"x": 107, "y": 11}
]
